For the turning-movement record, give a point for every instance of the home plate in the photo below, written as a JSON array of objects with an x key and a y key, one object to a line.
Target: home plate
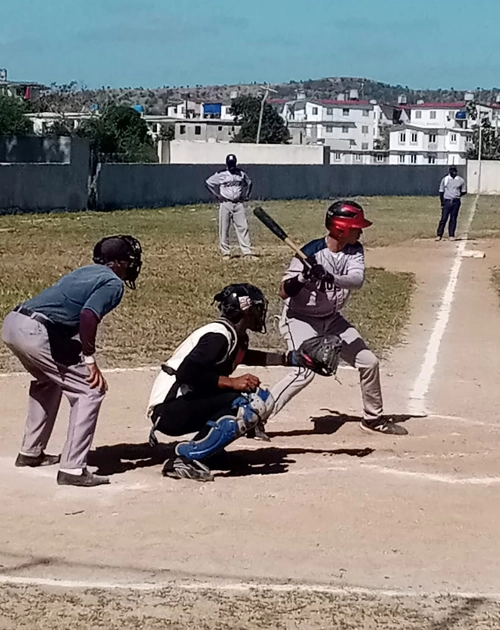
[{"x": 473, "y": 253}]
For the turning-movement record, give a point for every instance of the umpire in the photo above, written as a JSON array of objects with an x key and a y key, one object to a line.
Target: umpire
[
  {"x": 53, "y": 335},
  {"x": 451, "y": 191}
]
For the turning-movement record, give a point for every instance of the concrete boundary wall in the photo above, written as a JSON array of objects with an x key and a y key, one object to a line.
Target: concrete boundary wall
[
  {"x": 192, "y": 152},
  {"x": 157, "y": 185},
  {"x": 490, "y": 177}
]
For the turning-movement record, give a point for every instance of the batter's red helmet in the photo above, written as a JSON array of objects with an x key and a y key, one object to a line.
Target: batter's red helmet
[{"x": 346, "y": 214}]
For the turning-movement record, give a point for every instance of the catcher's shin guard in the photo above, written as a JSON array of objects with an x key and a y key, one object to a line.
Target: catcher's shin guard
[{"x": 250, "y": 410}]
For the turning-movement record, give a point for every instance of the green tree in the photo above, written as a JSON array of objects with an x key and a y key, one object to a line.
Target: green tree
[
  {"x": 246, "y": 112},
  {"x": 119, "y": 135},
  {"x": 13, "y": 121}
]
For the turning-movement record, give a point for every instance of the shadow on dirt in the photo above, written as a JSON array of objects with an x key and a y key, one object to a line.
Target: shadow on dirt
[
  {"x": 330, "y": 424},
  {"x": 268, "y": 460}
]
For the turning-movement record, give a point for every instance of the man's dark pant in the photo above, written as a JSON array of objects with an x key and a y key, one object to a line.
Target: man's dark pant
[{"x": 451, "y": 208}]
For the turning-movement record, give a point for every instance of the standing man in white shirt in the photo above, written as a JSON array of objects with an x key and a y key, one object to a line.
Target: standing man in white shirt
[
  {"x": 232, "y": 188},
  {"x": 451, "y": 191}
]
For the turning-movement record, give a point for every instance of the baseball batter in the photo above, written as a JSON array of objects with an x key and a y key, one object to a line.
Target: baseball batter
[
  {"x": 54, "y": 337},
  {"x": 232, "y": 188},
  {"x": 314, "y": 298}
]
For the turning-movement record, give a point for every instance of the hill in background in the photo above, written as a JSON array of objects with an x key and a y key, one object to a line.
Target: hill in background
[{"x": 155, "y": 100}]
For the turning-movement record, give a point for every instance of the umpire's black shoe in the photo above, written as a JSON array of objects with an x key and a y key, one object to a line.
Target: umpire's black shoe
[
  {"x": 31, "y": 461},
  {"x": 258, "y": 433},
  {"x": 85, "y": 480},
  {"x": 182, "y": 468}
]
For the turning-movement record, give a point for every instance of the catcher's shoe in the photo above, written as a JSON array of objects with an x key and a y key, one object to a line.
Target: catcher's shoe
[
  {"x": 387, "y": 427},
  {"x": 182, "y": 468},
  {"x": 31, "y": 461},
  {"x": 258, "y": 433}
]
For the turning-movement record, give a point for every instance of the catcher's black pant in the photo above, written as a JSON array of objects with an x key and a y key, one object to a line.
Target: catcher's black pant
[{"x": 190, "y": 414}]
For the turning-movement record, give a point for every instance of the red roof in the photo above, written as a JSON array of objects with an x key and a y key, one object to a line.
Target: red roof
[{"x": 460, "y": 105}]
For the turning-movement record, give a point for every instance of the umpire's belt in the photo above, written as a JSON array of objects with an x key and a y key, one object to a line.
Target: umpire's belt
[{"x": 38, "y": 317}]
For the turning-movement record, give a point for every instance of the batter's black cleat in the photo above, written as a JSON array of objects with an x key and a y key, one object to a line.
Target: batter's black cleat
[
  {"x": 182, "y": 468},
  {"x": 31, "y": 461},
  {"x": 386, "y": 427},
  {"x": 258, "y": 433},
  {"x": 85, "y": 480}
]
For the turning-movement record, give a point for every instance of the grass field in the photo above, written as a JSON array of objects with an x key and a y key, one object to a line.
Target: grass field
[
  {"x": 183, "y": 269},
  {"x": 486, "y": 223}
]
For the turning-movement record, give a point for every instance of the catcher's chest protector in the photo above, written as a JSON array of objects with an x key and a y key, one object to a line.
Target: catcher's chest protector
[{"x": 165, "y": 381}]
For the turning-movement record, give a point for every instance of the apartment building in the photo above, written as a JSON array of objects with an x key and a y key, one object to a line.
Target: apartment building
[{"x": 411, "y": 144}]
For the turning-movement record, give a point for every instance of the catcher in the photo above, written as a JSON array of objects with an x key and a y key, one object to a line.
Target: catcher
[
  {"x": 195, "y": 391},
  {"x": 315, "y": 295}
]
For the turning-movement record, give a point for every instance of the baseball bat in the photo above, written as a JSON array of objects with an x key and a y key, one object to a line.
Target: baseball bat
[{"x": 278, "y": 231}]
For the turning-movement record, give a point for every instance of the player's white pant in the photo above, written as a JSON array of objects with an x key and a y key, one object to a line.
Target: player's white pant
[
  {"x": 234, "y": 213},
  {"x": 354, "y": 352}
]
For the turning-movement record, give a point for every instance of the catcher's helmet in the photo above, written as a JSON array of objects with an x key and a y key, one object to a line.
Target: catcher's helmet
[
  {"x": 231, "y": 161},
  {"x": 236, "y": 300},
  {"x": 345, "y": 214},
  {"x": 122, "y": 248}
]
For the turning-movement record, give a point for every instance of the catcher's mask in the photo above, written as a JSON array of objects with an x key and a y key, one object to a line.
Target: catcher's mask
[
  {"x": 344, "y": 215},
  {"x": 123, "y": 248},
  {"x": 237, "y": 300}
]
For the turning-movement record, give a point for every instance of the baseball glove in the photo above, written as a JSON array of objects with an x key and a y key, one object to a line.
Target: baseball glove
[{"x": 319, "y": 354}]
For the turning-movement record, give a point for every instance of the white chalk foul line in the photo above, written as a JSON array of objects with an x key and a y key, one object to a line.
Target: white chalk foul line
[
  {"x": 422, "y": 383},
  {"x": 243, "y": 588}
]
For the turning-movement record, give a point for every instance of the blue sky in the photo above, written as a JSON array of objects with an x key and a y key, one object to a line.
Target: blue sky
[{"x": 149, "y": 43}]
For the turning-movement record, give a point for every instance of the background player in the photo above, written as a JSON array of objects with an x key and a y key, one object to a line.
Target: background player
[
  {"x": 314, "y": 299},
  {"x": 232, "y": 187},
  {"x": 48, "y": 335}
]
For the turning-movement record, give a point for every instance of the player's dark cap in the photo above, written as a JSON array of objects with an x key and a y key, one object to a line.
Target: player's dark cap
[{"x": 231, "y": 160}]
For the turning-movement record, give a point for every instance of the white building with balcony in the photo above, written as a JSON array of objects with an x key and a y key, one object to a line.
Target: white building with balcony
[{"x": 410, "y": 144}]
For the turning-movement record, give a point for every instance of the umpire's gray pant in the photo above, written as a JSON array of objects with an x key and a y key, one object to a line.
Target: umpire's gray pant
[
  {"x": 233, "y": 213},
  {"x": 354, "y": 351},
  {"x": 28, "y": 339}
]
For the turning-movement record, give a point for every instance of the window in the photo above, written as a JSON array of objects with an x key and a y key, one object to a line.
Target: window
[
  {"x": 352, "y": 143},
  {"x": 364, "y": 146},
  {"x": 175, "y": 109},
  {"x": 345, "y": 111},
  {"x": 432, "y": 115},
  {"x": 366, "y": 113},
  {"x": 432, "y": 138},
  {"x": 357, "y": 157},
  {"x": 329, "y": 129},
  {"x": 380, "y": 158},
  {"x": 364, "y": 129},
  {"x": 414, "y": 138},
  {"x": 329, "y": 111},
  {"x": 197, "y": 130},
  {"x": 401, "y": 159},
  {"x": 402, "y": 138},
  {"x": 315, "y": 111},
  {"x": 337, "y": 157},
  {"x": 182, "y": 129},
  {"x": 453, "y": 138},
  {"x": 413, "y": 159},
  {"x": 432, "y": 159},
  {"x": 219, "y": 128},
  {"x": 418, "y": 114},
  {"x": 345, "y": 129}
]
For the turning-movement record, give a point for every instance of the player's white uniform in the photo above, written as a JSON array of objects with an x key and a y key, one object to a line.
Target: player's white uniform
[{"x": 312, "y": 312}]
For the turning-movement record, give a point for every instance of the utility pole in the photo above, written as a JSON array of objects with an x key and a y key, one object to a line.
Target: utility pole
[{"x": 261, "y": 115}]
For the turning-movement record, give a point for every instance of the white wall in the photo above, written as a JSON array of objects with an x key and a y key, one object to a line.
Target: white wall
[
  {"x": 490, "y": 177},
  {"x": 182, "y": 152}
]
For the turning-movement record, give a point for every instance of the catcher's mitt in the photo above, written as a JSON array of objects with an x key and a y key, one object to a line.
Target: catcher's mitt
[{"x": 319, "y": 354}]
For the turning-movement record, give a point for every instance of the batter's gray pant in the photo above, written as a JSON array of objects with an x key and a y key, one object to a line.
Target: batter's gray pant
[
  {"x": 233, "y": 213},
  {"x": 28, "y": 339},
  {"x": 354, "y": 351}
]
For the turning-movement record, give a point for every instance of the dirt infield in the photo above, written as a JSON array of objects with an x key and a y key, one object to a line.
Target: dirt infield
[{"x": 325, "y": 527}]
